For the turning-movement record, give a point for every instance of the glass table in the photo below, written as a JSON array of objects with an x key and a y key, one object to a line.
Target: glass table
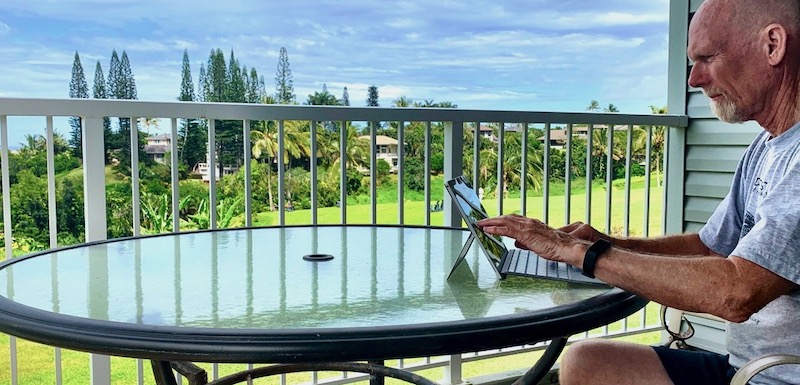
[{"x": 292, "y": 295}]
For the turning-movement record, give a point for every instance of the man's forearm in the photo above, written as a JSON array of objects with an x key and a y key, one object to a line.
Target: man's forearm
[{"x": 675, "y": 245}]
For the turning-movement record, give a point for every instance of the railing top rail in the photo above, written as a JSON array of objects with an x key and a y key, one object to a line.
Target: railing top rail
[{"x": 240, "y": 111}]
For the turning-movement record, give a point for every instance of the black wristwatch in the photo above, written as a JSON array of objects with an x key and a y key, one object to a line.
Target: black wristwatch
[{"x": 590, "y": 258}]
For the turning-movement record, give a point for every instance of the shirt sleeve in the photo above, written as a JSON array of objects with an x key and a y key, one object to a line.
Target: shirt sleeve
[
  {"x": 774, "y": 240},
  {"x": 722, "y": 230}
]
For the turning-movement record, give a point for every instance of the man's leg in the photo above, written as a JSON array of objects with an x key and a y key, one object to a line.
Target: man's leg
[{"x": 603, "y": 362}]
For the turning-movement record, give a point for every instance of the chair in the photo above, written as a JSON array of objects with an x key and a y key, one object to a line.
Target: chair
[
  {"x": 680, "y": 330},
  {"x": 755, "y": 366}
]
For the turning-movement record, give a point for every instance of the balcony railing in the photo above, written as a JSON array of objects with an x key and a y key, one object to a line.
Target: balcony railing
[{"x": 611, "y": 210}]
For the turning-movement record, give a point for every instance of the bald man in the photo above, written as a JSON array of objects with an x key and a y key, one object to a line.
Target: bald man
[{"x": 744, "y": 265}]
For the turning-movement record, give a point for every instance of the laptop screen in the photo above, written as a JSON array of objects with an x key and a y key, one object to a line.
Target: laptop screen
[{"x": 471, "y": 209}]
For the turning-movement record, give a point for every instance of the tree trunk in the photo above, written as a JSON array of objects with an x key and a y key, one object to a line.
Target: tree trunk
[{"x": 269, "y": 184}]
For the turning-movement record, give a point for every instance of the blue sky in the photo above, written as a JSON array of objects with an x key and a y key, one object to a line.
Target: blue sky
[{"x": 512, "y": 55}]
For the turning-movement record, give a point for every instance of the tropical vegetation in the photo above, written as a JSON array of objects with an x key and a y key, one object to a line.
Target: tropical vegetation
[{"x": 227, "y": 80}]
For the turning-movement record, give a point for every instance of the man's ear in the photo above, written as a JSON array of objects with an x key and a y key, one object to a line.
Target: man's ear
[{"x": 775, "y": 43}]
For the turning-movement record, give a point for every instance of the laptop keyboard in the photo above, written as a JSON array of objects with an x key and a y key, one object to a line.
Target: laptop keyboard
[{"x": 526, "y": 263}]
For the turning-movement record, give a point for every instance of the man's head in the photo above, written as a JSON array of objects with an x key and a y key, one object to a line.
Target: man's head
[{"x": 746, "y": 57}]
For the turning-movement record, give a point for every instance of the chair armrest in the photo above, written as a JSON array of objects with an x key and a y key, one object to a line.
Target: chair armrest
[{"x": 755, "y": 366}]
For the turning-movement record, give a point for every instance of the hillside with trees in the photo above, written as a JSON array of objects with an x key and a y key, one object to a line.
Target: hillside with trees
[{"x": 225, "y": 79}]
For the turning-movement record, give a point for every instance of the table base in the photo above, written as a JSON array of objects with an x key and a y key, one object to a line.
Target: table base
[{"x": 164, "y": 375}]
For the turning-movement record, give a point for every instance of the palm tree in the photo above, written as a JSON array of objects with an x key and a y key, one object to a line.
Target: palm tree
[
  {"x": 594, "y": 106},
  {"x": 402, "y": 102},
  {"x": 33, "y": 145},
  {"x": 149, "y": 122},
  {"x": 323, "y": 98},
  {"x": 265, "y": 144},
  {"x": 600, "y": 144},
  {"x": 512, "y": 164},
  {"x": 611, "y": 108},
  {"x": 356, "y": 150},
  {"x": 658, "y": 139}
]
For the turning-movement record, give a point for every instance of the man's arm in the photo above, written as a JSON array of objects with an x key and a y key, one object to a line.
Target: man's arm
[
  {"x": 677, "y": 245},
  {"x": 732, "y": 288}
]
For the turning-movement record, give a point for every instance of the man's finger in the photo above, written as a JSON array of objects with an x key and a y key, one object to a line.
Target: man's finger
[{"x": 571, "y": 227}]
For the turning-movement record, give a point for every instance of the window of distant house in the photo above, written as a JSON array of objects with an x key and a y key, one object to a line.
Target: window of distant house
[{"x": 394, "y": 162}]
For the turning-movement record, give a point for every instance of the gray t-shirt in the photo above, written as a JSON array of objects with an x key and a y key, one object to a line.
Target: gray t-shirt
[{"x": 759, "y": 221}]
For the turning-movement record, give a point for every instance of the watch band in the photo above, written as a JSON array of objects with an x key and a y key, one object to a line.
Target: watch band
[{"x": 590, "y": 258}]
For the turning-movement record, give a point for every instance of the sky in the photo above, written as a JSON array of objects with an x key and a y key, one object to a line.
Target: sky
[{"x": 529, "y": 55}]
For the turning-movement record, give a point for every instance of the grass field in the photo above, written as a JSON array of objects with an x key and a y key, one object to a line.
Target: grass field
[
  {"x": 36, "y": 363},
  {"x": 414, "y": 211}
]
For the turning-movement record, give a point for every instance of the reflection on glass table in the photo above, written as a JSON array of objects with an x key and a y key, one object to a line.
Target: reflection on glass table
[{"x": 247, "y": 295}]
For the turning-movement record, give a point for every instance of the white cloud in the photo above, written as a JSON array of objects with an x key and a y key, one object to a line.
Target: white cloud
[
  {"x": 531, "y": 54},
  {"x": 583, "y": 20}
]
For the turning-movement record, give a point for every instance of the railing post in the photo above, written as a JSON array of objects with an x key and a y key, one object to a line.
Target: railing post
[
  {"x": 94, "y": 182},
  {"x": 453, "y": 165},
  {"x": 452, "y": 372},
  {"x": 94, "y": 191}
]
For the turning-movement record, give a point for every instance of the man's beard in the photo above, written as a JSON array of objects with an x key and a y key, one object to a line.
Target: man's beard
[{"x": 726, "y": 110}]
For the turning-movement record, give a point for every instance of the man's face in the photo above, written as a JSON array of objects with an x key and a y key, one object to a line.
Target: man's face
[{"x": 724, "y": 65}]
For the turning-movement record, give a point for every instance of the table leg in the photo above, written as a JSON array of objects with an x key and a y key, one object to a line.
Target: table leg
[
  {"x": 376, "y": 378},
  {"x": 548, "y": 359},
  {"x": 163, "y": 373}
]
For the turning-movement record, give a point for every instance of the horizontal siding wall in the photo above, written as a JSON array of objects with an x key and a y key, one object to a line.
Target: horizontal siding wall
[{"x": 712, "y": 151}]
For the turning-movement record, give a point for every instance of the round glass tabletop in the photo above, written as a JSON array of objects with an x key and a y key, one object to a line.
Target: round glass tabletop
[
  {"x": 210, "y": 293},
  {"x": 258, "y": 278}
]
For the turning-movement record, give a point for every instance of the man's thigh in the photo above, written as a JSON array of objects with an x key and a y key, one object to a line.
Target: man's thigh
[{"x": 603, "y": 362}]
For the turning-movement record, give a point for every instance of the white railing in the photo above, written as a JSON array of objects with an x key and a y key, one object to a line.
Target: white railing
[{"x": 455, "y": 123}]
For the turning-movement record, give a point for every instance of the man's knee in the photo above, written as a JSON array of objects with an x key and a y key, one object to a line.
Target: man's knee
[{"x": 591, "y": 359}]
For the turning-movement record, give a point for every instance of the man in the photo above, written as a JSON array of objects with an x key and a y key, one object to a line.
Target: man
[{"x": 744, "y": 265}]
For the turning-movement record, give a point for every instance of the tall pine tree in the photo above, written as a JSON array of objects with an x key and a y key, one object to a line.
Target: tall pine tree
[
  {"x": 345, "y": 97},
  {"x": 201, "y": 84},
  {"x": 191, "y": 134},
  {"x": 214, "y": 84},
  {"x": 187, "y": 86},
  {"x": 284, "y": 85},
  {"x": 113, "y": 78},
  {"x": 77, "y": 89},
  {"x": 121, "y": 85},
  {"x": 128, "y": 81},
  {"x": 229, "y": 132},
  {"x": 254, "y": 89},
  {"x": 372, "y": 96},
  {"x": 99, "y": 92},
  {"x": 216, "y": 90}
]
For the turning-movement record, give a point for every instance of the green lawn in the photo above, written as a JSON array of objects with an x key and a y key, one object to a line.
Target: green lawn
[
  {"x": 387, "y": 213},
  {"x": 36, "y": 363},
  {"x": 112, "y": 177}
]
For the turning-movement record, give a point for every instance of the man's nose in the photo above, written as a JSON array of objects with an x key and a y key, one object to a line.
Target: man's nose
[{"x": 697, "y": 76}]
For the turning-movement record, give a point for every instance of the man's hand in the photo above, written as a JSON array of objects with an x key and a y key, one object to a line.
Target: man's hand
[
  {"x": 583, "y": 231},
  {"x": 532, "y": 234}
]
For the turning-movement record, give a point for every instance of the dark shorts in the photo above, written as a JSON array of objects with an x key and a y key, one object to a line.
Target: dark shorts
[{"x": 686, "y": 367}]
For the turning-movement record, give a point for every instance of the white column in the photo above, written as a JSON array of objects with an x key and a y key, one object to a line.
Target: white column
[
  {"x": 453, "y": 165},
  {"x": 94, "y": 197}
]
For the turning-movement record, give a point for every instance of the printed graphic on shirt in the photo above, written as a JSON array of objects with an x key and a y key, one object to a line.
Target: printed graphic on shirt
[
  {"x": 760, "y": 187},
  {"x": 749, "y": 221}
]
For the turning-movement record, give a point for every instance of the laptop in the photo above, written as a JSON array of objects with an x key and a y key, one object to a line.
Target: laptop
[{"x": 503, "y": 260}]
